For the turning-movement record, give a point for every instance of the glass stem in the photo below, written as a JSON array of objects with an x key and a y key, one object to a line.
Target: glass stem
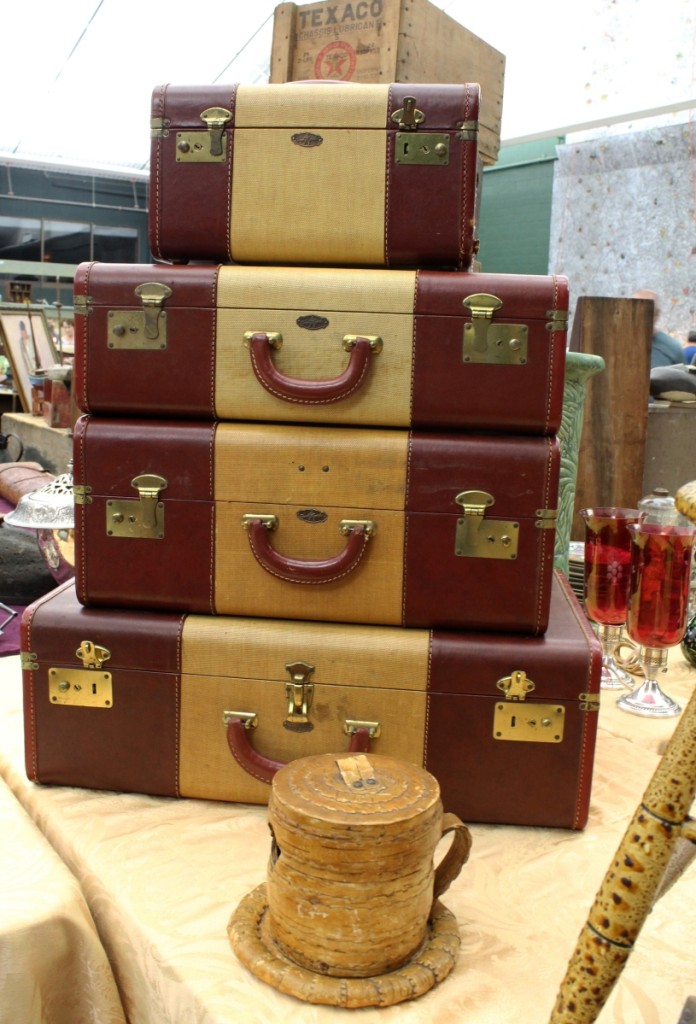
[
  {"x": 653, "y": 661},
  {"x": 609, "y": 637}
]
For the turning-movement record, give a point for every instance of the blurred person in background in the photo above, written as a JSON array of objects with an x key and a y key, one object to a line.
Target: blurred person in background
[{"x": 666, "y": 350}]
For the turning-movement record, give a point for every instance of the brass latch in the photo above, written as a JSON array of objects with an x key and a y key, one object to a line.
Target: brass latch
[
  {"x": 29, "y": 661},
  {"x": 425, "y": 149},
  {"x": 138, "y": 517},
  {"x": 92, "y": 655},
  {"x": 521, "y": 722},
  {"x": 144, "y": 329},
  {"x": 516, "y": 686},
  {"x": 299, "y": 693},
  {"x": 479, "y": 537},
  {"x": 190, "y": 147},
  {"x": 82, "y": 305},
  {"x": 409, "y": 116},
  {"x": 487, "y": 341}
]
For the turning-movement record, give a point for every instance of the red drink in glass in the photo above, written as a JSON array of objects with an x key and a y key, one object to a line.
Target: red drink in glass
[
  {"x": 659, "y": 584},
  {"x": 606, "y": 582},
  {"x": 607, "y": 563}
]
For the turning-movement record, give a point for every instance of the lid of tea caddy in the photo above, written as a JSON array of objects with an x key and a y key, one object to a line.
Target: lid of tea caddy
[{"x": 357, "y": 789}]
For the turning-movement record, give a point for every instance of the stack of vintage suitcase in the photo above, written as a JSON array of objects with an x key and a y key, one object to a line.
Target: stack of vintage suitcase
[{"x": 317, "y": 474}]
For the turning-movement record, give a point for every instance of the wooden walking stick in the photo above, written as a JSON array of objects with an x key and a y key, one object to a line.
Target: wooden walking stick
[{"x": 635, "y": 879}]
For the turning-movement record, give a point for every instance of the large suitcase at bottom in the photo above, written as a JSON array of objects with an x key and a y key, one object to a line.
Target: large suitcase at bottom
[{"x": 207, "y": 707}]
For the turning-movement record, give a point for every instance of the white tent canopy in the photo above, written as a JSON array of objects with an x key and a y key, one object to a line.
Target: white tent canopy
[{"x": 76, "y": 78}]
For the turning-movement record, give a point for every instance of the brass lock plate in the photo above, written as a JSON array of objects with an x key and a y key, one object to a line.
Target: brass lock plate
[
  {"x": 127, "y": 518},
  {"x": 194, "y": 147},
  {"x": 504, "y": 344},
  {"x": 421, "y": 148},
  {"x": 487, "y": 538},
  {"x": 208, "y": 147},
  {"x": 528, "y": 723},
  {"x": 80, "y": 687},
  {"x": 127, "y": 331},
  {"x": 138, "y": 517}
]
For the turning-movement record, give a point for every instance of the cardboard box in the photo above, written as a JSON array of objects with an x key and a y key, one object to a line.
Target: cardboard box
[{"x": 388, "y": 41}]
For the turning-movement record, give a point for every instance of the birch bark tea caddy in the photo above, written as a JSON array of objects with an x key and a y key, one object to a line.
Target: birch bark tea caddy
[{"x": 350, "y": 913}]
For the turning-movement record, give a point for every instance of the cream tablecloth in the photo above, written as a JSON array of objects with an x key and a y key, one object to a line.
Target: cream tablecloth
[
  {"x": 53, "y": 968},
  {"x": 162, "y": 877}
]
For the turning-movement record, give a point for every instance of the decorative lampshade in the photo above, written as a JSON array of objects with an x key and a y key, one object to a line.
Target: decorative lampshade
[{"x": 50, "y": 510}]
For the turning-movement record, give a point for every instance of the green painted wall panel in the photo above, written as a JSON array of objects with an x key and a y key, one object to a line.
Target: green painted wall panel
[{"x": 515, "y": 211}]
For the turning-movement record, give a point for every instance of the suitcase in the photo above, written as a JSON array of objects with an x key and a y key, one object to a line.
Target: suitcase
[
  {"x": 210, "y": 707},
  {"x": 315, "y": 172},
  {"x": 343, "y": 524},
  {"x": 394, "y": 348}
]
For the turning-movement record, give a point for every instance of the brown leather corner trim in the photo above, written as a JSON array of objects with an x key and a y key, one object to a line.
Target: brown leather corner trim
[
  {"x": 203, "y": 190},
  {"x": 170, "y": 573},
  {"x": 446, "y": 196}
]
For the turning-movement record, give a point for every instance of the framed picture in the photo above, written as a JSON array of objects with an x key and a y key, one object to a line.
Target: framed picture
[
  {"x": 29, "y": 347},
  {"x": 44, "y": 342}
]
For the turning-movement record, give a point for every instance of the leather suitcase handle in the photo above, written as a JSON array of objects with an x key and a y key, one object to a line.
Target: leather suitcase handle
[
  {"x": 264, "y": 768},
  {"x": 296, "y": 570},
  {"x": 311, "y": 392}
]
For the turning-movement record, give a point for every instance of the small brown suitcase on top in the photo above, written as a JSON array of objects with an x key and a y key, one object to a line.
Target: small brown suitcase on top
[
  {"x": 315, "y": 173},
  {"x": 209, "y": 707}
]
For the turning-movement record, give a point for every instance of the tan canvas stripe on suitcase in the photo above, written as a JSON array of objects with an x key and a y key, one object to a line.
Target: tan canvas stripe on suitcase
[
  {"x": 385, "y": 299},
  {"x": 385, "y": 684},
  {"x": 354, "y": 227}
]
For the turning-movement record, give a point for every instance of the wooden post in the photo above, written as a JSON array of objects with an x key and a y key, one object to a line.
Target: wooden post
[{"x": 612, "y": 448}]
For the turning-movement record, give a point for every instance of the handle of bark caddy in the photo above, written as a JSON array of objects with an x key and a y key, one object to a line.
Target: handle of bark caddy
[
  {"x": 457, "y": 855},
  {"x": 297, "y": 570},
  {"x": 311, "y": 392},
  {"x": 264, "y": 768}
]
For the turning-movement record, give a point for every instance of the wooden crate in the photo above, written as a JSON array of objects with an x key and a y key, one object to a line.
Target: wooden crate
[{"x": 388, "y": 41}]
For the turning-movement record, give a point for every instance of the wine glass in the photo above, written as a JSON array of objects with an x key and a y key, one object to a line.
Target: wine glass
[
  {"x": 607, "y": 560},
  {"x": 658, "y": 602}
]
